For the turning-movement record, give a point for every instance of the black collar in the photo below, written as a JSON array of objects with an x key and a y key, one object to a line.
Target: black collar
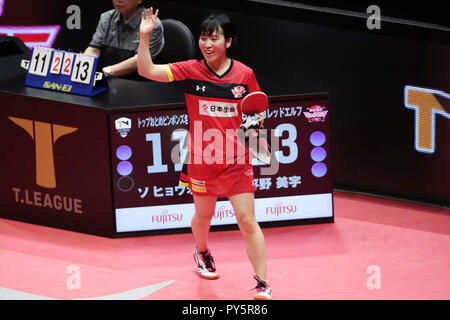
[{"x": 224, "y": 74}]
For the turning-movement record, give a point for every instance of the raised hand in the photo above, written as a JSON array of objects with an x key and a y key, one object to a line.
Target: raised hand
[{"x": 148, "y": 21}]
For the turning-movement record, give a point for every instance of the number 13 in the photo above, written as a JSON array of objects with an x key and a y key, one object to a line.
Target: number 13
[{"x": 82, "y": 70}]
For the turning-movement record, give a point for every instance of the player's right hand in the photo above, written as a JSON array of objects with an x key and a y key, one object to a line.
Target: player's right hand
[{"x": 148, "y": 21}]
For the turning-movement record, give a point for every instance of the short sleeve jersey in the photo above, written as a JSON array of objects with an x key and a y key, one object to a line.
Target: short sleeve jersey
[{"x": 213, "y": 101}]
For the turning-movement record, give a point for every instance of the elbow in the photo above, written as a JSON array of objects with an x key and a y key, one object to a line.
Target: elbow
[{"x": 141, "y": 71}]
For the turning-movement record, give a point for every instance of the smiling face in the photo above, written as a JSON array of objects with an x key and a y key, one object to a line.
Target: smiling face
[{"x": 214, "y": 46}]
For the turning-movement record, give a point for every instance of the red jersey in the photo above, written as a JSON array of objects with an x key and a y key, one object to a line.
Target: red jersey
[{"x": 214, "y": 109}]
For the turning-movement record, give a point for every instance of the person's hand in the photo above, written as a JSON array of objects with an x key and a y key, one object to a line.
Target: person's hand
[
  {"x": 148, "y": 21},
  {"x": 107, "y": 71},
  {"x": 261, "y": 119}
]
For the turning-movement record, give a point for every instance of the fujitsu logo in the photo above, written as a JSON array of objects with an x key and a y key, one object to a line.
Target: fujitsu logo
[
  {"x": 223, "y": 213},
  {"x": 165, "y": 217},
  {"x": 44, "y": 136},
  {"x": 279, "y": 208}
]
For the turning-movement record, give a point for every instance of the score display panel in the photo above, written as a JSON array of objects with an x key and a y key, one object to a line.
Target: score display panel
[
  {"x": 147, "y": 151},
  {"x": 64, "y": 71}
]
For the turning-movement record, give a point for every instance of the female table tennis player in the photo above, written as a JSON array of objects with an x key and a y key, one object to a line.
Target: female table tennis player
[{"x": 213, "y": 90}]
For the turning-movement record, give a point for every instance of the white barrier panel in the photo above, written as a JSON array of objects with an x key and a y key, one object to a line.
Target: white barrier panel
[{"x": 266, "y": 210}]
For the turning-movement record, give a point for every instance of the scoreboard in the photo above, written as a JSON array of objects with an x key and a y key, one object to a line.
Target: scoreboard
[
  {"x": 147, "y": 151},
  {"x": 64, "y": 71}
]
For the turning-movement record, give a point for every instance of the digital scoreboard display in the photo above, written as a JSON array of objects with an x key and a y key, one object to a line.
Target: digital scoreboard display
[{"x": 148, "y": 147}]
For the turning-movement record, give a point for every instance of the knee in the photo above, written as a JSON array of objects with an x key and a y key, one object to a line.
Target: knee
[
  {"x": 248, "y": 224},
  {"x": 202, "y": 218}
]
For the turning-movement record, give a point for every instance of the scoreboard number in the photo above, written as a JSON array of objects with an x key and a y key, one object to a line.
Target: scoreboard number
[
  {"x": 82, "y": 69},
  {"x": 56, "y": 69},
  {"x": 67, "y": 63},
  {"x": 57, "y": 62},
  {"x": 40, "y": 61},
  {"x": 287, "y": 154},
  {"x": 289, "y": 142}
]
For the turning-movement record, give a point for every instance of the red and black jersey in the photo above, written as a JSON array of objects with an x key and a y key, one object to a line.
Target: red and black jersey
[
  {"x": 214, "y": 109},
  {"x": 213, "y": 101}
]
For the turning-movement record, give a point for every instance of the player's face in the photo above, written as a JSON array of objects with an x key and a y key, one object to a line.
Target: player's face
[
  {"x": 214, "y": 46},
  {"x": 126, "y": 6}
]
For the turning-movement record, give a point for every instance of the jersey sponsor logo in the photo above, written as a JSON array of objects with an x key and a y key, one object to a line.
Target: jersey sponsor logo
[
  {"x": 198, "y": 186},
  {"x": 198, "y": 182},
  {"x": 238, "y": 91},
  {"x": 218, "y": 109},
  {"x": 213, "y": 90},
  {"x": 200, "y": 88},
  {"x": 198, "y": 189}
]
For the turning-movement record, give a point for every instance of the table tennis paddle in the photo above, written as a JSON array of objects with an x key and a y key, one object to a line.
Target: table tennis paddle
[
  {"x": 255, "y": 102},
  {"x": 252, "y": 134}
]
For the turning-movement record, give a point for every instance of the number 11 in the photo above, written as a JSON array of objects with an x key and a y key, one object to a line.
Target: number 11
[{"x": 37, "y": 62}]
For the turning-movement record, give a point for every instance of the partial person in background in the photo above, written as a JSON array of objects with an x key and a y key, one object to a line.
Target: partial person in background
[{"x": 116, "y": 40}]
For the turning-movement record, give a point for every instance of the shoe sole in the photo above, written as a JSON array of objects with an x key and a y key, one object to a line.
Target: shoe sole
[
  {"x": 261, "y": 297},
  {"x": 214, "y": 277}
]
